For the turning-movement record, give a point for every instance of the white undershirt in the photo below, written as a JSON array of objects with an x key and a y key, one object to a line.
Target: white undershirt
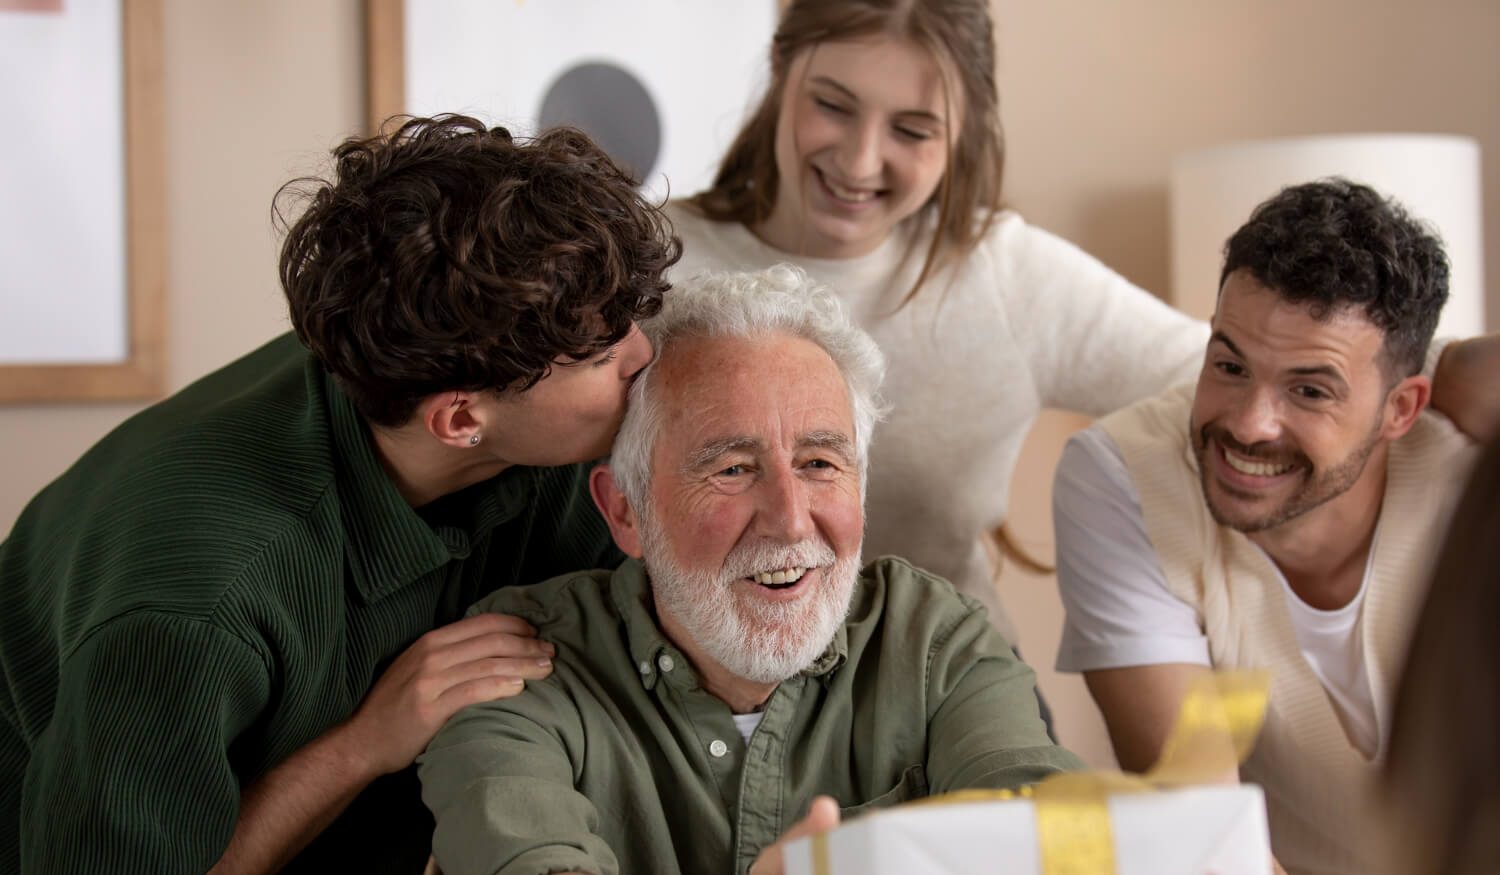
[
  {"x": 1121, "y": 613},
  {"x": 1330, "y": 642},
  {"x": 746, "y": 723}
]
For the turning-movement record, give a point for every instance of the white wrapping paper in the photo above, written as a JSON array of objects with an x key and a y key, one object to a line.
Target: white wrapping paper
[{"x": 1219, "y": 830}]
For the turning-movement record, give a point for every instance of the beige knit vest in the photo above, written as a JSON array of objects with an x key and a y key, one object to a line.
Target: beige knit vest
[{"x": 1320, "y": 790}]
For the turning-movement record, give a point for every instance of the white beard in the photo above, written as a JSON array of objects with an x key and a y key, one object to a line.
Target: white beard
[{"x": 760, "y": 641}]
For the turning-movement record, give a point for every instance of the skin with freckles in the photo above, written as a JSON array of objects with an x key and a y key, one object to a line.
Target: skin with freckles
[
  {"x": 1291, "y": 423},
  {"x": 755, "y": 457},
  {"x": 862, "y": 140}
]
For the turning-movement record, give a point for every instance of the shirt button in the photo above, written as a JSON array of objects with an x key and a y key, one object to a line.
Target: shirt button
[
  {"x": 645, "y": 667},
  {"x": 665, "y": 662},
  {"x": 718, "y": 748}
]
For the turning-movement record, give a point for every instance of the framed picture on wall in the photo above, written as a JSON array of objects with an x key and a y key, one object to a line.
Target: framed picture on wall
[
  {"x": 82, "y": 230},
  {"x": 662, "y": 85}
]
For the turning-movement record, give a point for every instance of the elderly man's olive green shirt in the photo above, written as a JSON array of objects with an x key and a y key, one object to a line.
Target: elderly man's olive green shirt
[{"x": 621, "y": 762}]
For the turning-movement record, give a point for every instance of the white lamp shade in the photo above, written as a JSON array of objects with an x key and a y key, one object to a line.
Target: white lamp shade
[{"x": 1436, "y": 178}]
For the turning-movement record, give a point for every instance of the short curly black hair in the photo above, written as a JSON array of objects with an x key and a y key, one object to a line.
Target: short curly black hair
[
  {"x": 1334, "y": 244},
  {"x": 446, "y": 255}
]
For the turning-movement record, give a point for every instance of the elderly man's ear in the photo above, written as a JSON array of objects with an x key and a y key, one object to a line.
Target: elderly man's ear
[{"x": 616, "y": 509}]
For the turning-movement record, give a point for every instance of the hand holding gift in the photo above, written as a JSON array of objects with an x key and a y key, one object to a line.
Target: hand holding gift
[
  {"x": 1087, "y": 823},
  {"x": 822, "y": 816}
]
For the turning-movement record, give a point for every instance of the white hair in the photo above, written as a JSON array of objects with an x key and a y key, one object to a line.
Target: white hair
[
  {"x": 746, "y": 305},
  {"x": 766, "y": 642}
]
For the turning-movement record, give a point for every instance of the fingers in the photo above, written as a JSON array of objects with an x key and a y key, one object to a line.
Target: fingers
[
  {"x": 440, "y": 696},
  {"x": 493, "y": 667},
  {"x": 489, "y": 646},
  {"x": 822, "y": 816},
  {"x": 481, "y": 689},
  {"x": 478, "y": 637},
  {"x": 479, "y": 625}
]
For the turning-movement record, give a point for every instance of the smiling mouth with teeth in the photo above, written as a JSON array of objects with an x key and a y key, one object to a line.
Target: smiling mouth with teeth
[
  {"x": 1254, "y": 468},
  {"x": 852, "y": 195},
  {"x": 779, "y": 579}
]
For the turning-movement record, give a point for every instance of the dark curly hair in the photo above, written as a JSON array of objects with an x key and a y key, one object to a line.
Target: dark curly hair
[
  {"x": 448, "y": 256},
  {"x": 1333, "y": 244}
]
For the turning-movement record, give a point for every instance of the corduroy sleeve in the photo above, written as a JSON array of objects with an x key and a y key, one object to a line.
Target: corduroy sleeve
[
  {"x": 132, "y": 774},
  {"x": 985, "y": 730}
]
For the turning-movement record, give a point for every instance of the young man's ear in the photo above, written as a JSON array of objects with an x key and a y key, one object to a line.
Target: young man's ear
[
  {"x": 618, "y": 513},
  {"x": 452, "y": 418},
  {"x": 1404, "y": 404}
]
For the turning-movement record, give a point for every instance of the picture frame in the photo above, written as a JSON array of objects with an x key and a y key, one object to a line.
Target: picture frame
[
  {"x": 664, "y": 114},
  {"x": 140, "y": 372}
]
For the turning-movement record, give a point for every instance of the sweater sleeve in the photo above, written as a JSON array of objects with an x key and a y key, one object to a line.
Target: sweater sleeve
[
  {"x": 1095, "y": 342},
  {"x": 133, "y": 772}
]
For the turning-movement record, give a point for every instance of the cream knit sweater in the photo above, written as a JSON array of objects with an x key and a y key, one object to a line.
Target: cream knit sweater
[
  {"x": 1026, "y": 321},
  {"x": 1320, "y": 791}
]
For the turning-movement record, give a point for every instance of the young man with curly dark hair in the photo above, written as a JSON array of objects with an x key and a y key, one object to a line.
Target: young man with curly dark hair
[
  {"x": 1280, "y": 515},
  {"x": 227, "y": 631}
]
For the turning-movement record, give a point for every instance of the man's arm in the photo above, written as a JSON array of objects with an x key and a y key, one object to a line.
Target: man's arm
[
  {"x": 131, "y": 773},
  {"x": 499, "y": 779},
  {"x": 1140, "y": 706},
  {"x": 484, "y": 657},
  {"x": 984, "y": 728},
  {"x": 1138, "y": 646},
  {"x": 1466, "y": 386}
]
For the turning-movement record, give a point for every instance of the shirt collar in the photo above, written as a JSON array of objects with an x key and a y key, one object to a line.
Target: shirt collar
[
  {"x": 391, "y": 544},
  {"x": 631, "y": 590}
]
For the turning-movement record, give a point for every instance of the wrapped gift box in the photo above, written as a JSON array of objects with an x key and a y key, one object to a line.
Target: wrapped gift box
[{"x": 1197, "y": 831}]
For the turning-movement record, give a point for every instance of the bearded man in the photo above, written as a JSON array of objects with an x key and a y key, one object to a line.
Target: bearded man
[
  {"x": 704, "y": 694},
  {"x": 1278, "y": 516}
]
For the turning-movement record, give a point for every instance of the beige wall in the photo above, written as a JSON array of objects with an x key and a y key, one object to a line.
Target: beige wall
[
  {"x": 1097, "y": 97},
  {"x": 255, "y": 94}
]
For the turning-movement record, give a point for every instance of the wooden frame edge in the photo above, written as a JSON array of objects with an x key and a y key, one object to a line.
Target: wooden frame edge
[
  {"x": 142, "y": 375},
  {"x": 385, "y": 61}
]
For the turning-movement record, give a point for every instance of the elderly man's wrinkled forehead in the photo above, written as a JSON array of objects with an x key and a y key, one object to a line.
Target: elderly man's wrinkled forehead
[{"x": 765, "y": 390}]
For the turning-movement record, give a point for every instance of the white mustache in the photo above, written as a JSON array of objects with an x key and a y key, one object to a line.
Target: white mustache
[{"x": 748, "y": 560}]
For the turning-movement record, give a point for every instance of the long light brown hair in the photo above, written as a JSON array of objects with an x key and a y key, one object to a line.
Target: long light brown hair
[
  {"x": 1443, "y": 773},
  {"x": 960, "y": 36}
]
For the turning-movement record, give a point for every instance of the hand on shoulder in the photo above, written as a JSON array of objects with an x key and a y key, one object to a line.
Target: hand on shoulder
[{"x": 477, "y": 659}]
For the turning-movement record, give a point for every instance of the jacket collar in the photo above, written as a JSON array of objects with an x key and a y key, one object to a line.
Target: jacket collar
[{"x": 391, "y": 544}]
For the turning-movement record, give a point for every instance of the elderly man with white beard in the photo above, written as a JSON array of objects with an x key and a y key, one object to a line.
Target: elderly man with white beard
[{"x": 741, "y": 665}]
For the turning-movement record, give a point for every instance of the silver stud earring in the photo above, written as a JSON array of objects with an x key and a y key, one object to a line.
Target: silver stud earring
[{"x": 473, "y": 440}]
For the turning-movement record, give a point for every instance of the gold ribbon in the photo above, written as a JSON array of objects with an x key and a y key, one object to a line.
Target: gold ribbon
[{"x": 1215, "y": 731}]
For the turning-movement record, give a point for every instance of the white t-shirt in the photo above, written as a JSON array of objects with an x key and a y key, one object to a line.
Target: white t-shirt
[
  {"x": 746, "y": 723},
  {"x": 1121, "y": 613}
]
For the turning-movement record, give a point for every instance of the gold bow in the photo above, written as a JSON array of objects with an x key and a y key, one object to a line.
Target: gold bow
[{"x": 1215, "y": 731}]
